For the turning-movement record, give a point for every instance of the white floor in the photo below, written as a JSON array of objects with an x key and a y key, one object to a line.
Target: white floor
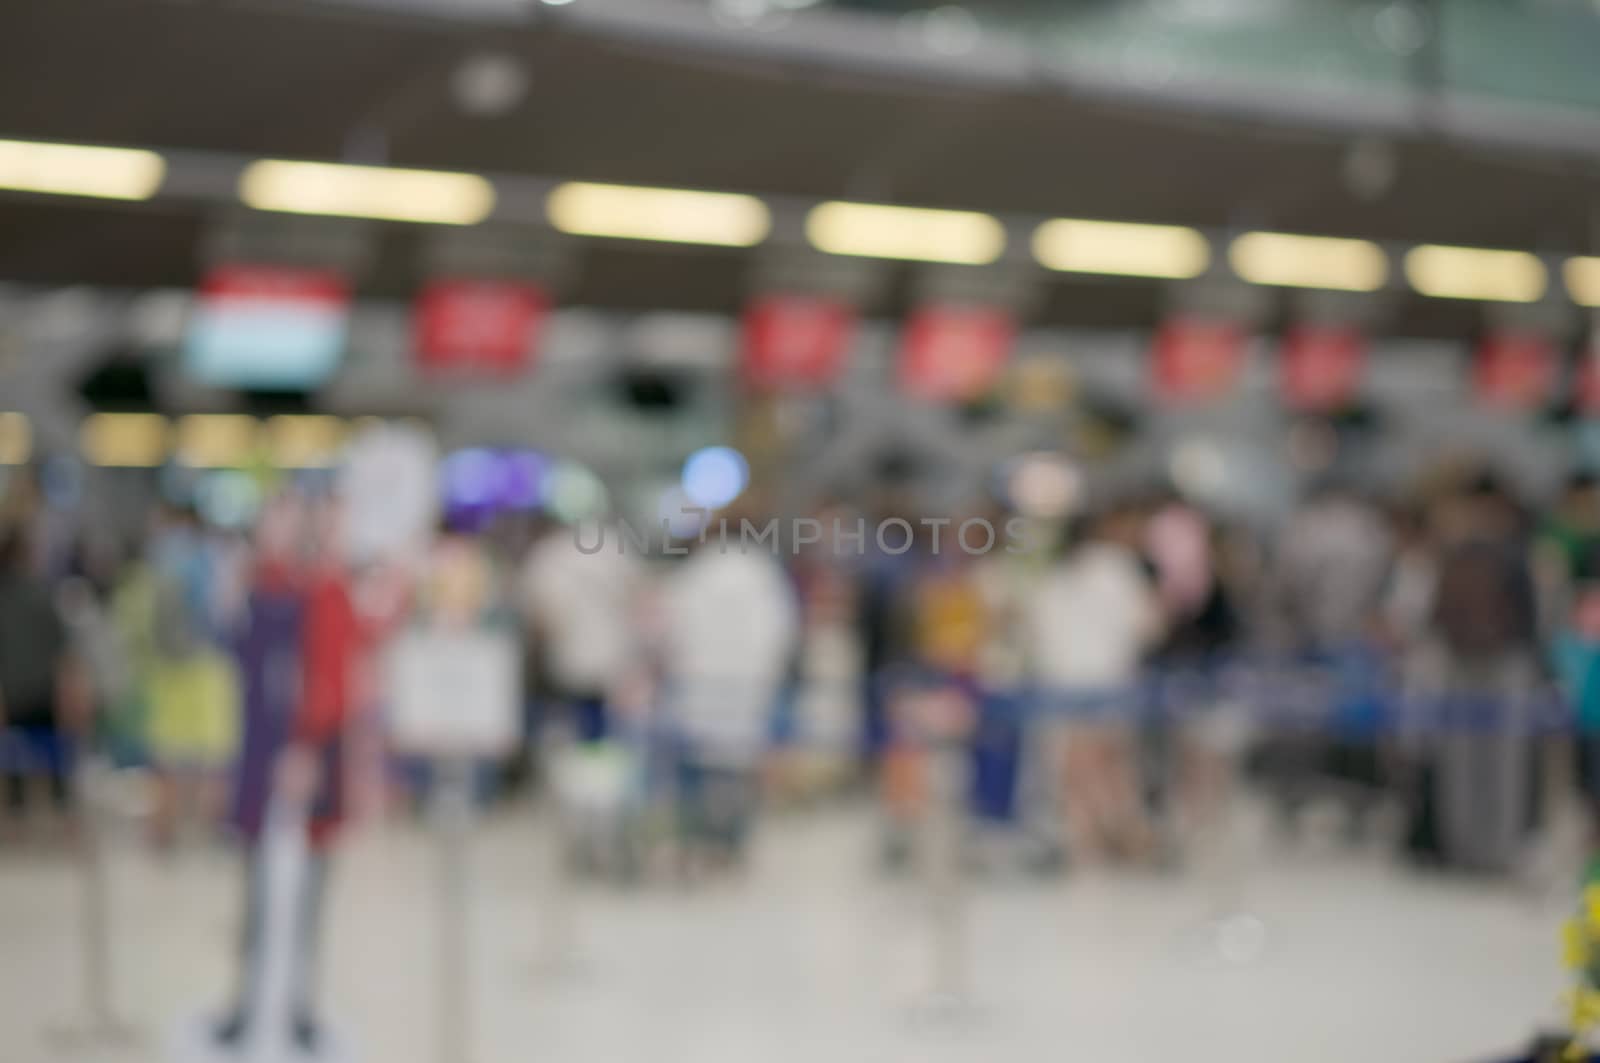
[{"x": 816, "y": 957}]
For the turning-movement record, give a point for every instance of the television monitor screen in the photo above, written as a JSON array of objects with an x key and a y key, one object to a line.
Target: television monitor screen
[{"x": 268, "y": 327}]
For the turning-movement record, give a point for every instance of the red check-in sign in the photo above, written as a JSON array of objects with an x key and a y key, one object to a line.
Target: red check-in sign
[
  {"x": 479, "y": 326},
  {"x": 285, "y": 284},
  {"x": 1196, "y": 359},
  {"x": 954, "y": 353},
  {"x": 795, "y": 341},
  {"x": 1516, "y": 370},
  {"x": 1321, "y": 366}
]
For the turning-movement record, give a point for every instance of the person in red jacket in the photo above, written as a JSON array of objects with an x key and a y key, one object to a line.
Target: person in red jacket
[
  {"x": 301, "y": 623},
  {"x": 333, "y": 642}
]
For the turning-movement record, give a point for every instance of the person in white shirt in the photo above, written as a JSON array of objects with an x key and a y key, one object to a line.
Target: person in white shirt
[
  {"x": 729, "y": 625},
  {"x": 1091, "y": 623},
  {"x": 577, "y": 602}
]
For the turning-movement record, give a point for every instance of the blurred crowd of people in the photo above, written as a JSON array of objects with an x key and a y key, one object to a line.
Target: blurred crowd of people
[{"x": 1084, "y": 684}]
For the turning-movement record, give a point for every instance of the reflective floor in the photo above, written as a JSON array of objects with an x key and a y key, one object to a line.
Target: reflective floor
[{"x": 1330, "y": 955}]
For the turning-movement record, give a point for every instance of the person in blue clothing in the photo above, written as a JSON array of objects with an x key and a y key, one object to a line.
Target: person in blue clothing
[
  {"x": 44, "y": 705},
  {"x": 1575, "y": 659},
  {"x": 888, "y": 577}
]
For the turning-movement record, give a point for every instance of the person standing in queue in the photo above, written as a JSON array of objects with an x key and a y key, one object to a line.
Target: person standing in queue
[
  {"x": 729, "y": 626},
  {"x": 299, "y": 651},
  {"x": 1095, "y": 617},
  {"x": 44, "y": 704}
]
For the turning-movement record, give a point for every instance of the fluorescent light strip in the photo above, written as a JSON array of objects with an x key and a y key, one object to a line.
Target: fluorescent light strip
[
  {"x": 134, "y": 440},
  {"x": 80, "y": 170},
  {"x": 1309, "y": 261},
  {"x": 216, "y": 440},
  {"x": 672, "y": 215},
  {"x": 1128, "y": 249},
  {"x": 1582, "y": 274},
  {"x": 431, "y": 196},
  {"x": 16, "y": 439},
  {"x": 1475, "y": 273},
  {"x": 304, "y": 441},
  {"x": 837, "y": 227},
  {"x": 918, "y": 234}
]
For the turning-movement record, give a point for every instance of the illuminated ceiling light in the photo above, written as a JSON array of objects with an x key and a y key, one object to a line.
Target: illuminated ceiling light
[
  {"x": 216, "y": 440},
  {"x": 574, "y": 493},
  {"x": 1582, "y": 273},
  {"x": 1044, "y": 485},
  {"x": 674, "y": 215},
  {"x": 80, "y": 170},
  {"x": 304, "y": 441},
  {"x": 714, "y": 476},
  {"x": 1199, "y": 467},
  {"x": 470, "y": 477},
  {"x": 1475, "y": 273},
  {"x": 874, "y": 230},
  {"x": 1309, "y": 261},
  {"x": 16, "y": 439},
  {"x": 134, "y": 440},
  {"x": 489, "y": 84},
  {"x": 366, "y": 192},
  {"x": 1128, "y": 249}
]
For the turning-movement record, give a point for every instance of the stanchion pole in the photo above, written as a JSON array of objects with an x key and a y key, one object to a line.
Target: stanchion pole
[
  {"x": 99, "y": 1029},
  {"x": 453, "y": 811},
  {"x": 944, "y": 725},
  {"x": 946, "y": 885},
  {"x": 1234, "y": 934},
  {"x": 1563, "y": 842},
  {"x": 556, "y": 942}
]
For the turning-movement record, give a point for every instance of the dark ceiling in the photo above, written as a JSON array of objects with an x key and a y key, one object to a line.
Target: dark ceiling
[{"x": 294, "y": 79}]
